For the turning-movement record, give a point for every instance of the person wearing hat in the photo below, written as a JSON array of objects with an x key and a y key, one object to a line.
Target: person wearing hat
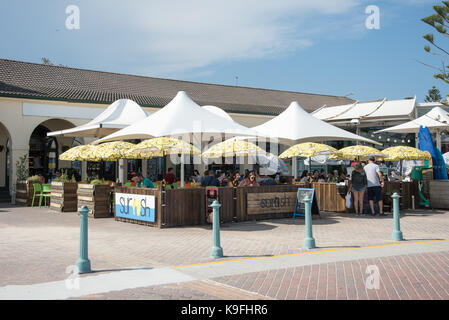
[{"x": 375, "y": 180}]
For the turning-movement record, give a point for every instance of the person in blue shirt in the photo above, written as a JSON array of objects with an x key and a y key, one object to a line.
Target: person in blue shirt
[
  {"x": 147, "y": 183},
  {"x": 210, "y": 180}
]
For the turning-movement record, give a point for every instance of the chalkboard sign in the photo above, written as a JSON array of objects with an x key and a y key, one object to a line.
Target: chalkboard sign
[{"x": 300, "y": 206}]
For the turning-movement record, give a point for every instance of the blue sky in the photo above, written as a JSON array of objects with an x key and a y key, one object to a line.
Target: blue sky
[{"x": 316, "y": 46}]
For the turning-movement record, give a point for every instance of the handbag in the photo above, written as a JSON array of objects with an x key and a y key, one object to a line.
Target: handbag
[{"x": 348, "y": 200}]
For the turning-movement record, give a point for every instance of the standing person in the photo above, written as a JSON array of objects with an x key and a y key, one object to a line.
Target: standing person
[
  {"x": 375, "y": 184},
  {"x": 170, "y": 177},
  {"x": 358, "y": 184}
]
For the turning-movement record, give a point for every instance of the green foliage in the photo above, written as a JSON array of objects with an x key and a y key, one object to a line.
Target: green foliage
[
  {"x": 22, "y": 170},
  {"x": 63, "y": 178},
  {"x": 34, "y": 178},
  {"x": 433, "y": 95},
  {"x": 98, "y": 181},
  {"x": 438, "y": 21}
]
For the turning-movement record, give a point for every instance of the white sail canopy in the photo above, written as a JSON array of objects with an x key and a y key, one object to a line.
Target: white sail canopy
[
  {"x": 180, "y": 116},
  {"x": 118, "y": 115},
  {"x": 435, "y": 119},
  {"x": 297, "y": 125}
]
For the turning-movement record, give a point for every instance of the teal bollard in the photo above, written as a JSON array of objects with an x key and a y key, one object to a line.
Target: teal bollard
[
  {"x": 397, "y": 233},
  {"x": 216, "y": 251},
  {"x": 309, "y": 241},
  {"x": 83, "y": 263}
]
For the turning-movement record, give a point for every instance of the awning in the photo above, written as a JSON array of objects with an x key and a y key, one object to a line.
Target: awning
[{"x": 118, "y": 115}]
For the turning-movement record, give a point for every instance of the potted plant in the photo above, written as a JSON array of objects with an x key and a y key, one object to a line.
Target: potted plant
[
  {"x": 63, "y": 193},
  {"x": 24, "y": 184},
  {"x": 96, "y": 195}
]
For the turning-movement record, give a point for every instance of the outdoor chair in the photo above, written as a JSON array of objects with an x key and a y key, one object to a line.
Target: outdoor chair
[
  {"x": 46, "y": 193},
  {"x": 37, "y": 191},
  {"x": 128, "y": 184}
]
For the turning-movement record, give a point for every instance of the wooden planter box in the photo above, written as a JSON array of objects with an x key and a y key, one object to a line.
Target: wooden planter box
[
  {"x": 329, "y": 197},
  {"x": 439, "y": 194},
  {"x": 97, "y": 198},
  {"x": 24, "y": 192},
  {"x": 63, "y": 196}
]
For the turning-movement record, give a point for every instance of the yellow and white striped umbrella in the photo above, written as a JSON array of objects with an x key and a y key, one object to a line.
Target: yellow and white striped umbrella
[
  {"x": 80, "y": 153},
  {"x": 358, "y": 152},
  {"x": 307, "y": 150},
  {"x": 111, "y": 151},
  {"x": 233, "y": 147},
  {"x": 159, "y": 147},
  {"x": 398, "y": 153}
]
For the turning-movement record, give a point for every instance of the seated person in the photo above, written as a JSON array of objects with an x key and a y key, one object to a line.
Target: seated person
[
  {"x": 250, "y": 181},
  {"x": 304, "y": 176},
  {"x": 209, "y": 180},
  {"x": 169, "y": 177},
  {"x": 267, "y": 181},
  {"x": 342, "y": 177},
  {"x": 332, "y": 178},
  {"x": 196, "y": 176},
  {"x": 321, "y": 179},
  {"x": 135, "y": 178},
  {"x": 315, "y": 176},
  {"x": 283, "y": 180},
  {"x": 394, "y": 177},
  {"x": 235, "y": 180},
  {"x": 147, "y": 183}
]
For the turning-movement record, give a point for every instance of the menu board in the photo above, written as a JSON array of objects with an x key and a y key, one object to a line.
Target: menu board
[{"x": 300, "y": 207}]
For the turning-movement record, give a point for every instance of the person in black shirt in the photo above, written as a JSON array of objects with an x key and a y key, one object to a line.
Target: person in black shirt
[{"x": 358, "y": 184}]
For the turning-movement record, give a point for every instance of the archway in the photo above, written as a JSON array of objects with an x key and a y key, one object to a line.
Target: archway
[
  {"x": 5, "y": 157},
  {"x": 44, "y": 151}
]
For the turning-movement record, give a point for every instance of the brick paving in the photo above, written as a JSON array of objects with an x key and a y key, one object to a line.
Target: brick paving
[
  {"x": 405, "y": 277},
  {"x": 37, "y": 245}
]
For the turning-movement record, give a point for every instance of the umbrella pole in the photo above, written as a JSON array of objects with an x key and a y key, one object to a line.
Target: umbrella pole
[
  {"x": 310, "y": 164},
  {"x": 400, "y": 166},
  {"x": 295, "y": 169},
  {"x": 182, "y": 171}
]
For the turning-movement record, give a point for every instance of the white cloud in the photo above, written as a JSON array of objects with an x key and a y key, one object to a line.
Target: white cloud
[{"x": 169, "y": 37}]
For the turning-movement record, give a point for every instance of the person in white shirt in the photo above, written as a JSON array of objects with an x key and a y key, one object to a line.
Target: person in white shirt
[{"x": 375, "y": 184}]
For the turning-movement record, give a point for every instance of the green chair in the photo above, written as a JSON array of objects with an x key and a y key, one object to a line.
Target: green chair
[
  {"x": 168, "y": 187},
  {"x": 46, "y": 193},
  {"x": 128, "y": 184},
  {"x": 37, "y": 191},
  {"x": 175, "y": 185}
]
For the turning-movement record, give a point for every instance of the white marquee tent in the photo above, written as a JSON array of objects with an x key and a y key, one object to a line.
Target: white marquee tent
[
  {"x": 296, "y": 125},
  {"x": 118, "y": 115},
  {"x": 435, "y": 120},
  {"x": 180, "y": 117}
]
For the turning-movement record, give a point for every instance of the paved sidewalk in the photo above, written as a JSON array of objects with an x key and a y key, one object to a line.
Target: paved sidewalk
[
  {"x": 404, "y": 277},
  {"x": 37, "y": 245}
]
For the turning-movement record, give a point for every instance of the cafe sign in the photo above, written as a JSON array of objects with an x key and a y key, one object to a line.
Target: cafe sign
[
  {"x": 135, "y": 206},
  {"x": 270, "y": 202}
]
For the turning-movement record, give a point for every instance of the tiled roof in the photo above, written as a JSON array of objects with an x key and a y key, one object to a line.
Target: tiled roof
[{"x": 39, "y": 81}]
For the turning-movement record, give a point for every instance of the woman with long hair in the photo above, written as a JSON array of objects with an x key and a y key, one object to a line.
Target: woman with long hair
[{"x": 358, "y": 184}]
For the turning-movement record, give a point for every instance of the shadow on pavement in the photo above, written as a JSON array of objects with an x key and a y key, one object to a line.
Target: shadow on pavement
[
  {"x": 118, "y": 270},
  {"x": 337, "y": 247}
]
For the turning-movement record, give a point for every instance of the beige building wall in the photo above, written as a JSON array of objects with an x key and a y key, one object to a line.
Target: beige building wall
[{"x": 19, "y": 125}]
